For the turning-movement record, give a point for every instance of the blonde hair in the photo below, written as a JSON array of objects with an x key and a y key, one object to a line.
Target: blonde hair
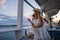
[
  {"x": 39, "y": 12},
  {"x": 39, "y": 16}
]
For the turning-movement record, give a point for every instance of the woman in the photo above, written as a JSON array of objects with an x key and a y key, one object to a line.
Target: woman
[{"x": 40, "y": 32}]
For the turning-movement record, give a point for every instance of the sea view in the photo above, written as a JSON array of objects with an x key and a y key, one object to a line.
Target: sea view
[
  {"x": 9, "y": 35},
  {"x": 9, "y": 23}
]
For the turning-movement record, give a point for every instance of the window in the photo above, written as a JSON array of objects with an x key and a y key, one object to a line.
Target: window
[{"x": 8, "y": 12}]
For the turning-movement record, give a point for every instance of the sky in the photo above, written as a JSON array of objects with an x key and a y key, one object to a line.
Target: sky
[
  {"x": 29, "y": 10},
  {"x": 9, "y": 11},
  {"x": 10, "y": 8}
]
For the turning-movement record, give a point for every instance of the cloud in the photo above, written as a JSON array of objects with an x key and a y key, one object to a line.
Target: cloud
[{"x": 2, "y": 3}]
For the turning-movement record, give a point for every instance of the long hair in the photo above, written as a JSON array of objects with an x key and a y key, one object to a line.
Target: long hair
[
  {"x": 38, "y": 13},
  {"x": 40, "y": 18}
]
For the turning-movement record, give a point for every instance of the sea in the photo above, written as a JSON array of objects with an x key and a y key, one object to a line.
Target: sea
[{"x": 10, "y": 35}]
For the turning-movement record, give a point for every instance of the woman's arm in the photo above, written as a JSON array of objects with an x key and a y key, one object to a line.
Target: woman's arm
[
  {"x": 30, "y": 20},
  {"x": 31, "y": 23}
]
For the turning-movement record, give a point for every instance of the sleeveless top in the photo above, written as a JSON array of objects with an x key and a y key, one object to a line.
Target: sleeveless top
[{"x": 36, "y": 22}]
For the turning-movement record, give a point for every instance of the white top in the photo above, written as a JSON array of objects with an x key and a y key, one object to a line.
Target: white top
[{"x": 36, "y": 22}]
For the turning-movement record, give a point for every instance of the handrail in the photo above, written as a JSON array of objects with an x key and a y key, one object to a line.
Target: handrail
[{"x": 29, "y": 4}]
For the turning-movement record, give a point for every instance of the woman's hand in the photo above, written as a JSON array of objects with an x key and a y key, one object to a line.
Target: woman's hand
[{"x": 29, "y": 19}]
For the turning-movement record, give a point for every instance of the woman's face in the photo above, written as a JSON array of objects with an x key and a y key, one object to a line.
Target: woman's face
[
  {"x": 36, "y": 16},
  {"x": 36, "y": 13}
]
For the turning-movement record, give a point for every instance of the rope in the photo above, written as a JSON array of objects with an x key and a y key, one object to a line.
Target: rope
[{"x": 29, "y": 4}]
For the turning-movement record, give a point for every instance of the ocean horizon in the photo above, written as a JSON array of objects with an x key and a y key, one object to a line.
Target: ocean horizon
[{"x": 9, "y": 35}]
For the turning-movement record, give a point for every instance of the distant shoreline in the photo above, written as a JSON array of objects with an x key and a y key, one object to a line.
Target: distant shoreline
[
  {"x": 7, "y": 25},
  {"x": 11, "y": 25}
]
